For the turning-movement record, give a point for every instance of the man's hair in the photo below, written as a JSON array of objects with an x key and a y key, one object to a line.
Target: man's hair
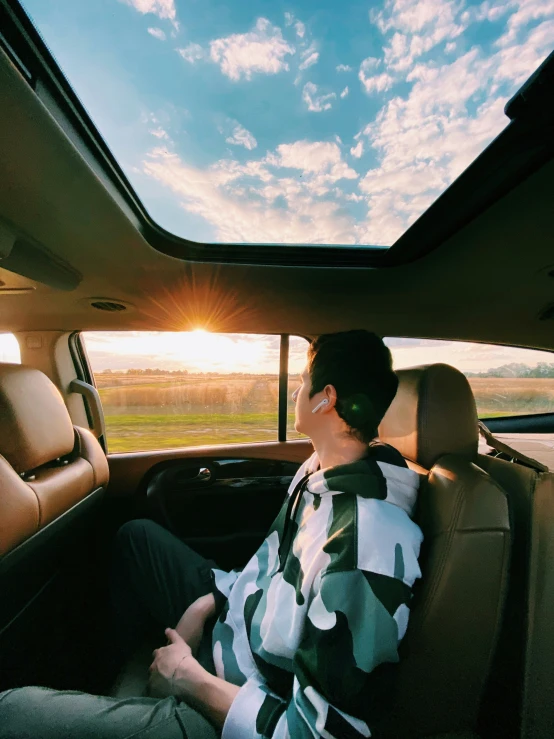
[{"x": 359, "y": 366}]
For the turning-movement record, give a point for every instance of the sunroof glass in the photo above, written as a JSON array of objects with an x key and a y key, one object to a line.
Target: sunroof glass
[{"x": 263, "y": 121}]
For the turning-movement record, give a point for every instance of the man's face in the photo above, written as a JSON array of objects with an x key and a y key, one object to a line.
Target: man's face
[{"x": 303, "y": 409}]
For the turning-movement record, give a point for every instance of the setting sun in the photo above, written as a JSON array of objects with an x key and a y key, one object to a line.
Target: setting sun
[{"x": 194, "y": 351}]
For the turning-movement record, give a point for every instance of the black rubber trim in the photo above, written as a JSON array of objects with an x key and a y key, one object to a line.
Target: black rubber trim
[
  {"x": 523, "y": 147},
  {"x": 75, "y": 349},
  {"x": 283, "y": 387},
  {"x": 84, "y": 372},
  {"x": 537, "y": 423}
]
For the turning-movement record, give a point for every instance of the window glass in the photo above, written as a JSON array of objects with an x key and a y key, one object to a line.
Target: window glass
[
  {"x": 298, "y": 348},
  {"x": 506, "y": 381},
  {"x": 9, "y": 349},
  {"x": 163, "y": 390},
  {"x": 289, "y": 122}
]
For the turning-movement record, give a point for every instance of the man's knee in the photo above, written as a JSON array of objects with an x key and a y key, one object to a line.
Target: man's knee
[{"x": 133, "y": 536}]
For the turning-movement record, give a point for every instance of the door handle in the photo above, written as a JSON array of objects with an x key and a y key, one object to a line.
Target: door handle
[{"x": 204, "y": 475}]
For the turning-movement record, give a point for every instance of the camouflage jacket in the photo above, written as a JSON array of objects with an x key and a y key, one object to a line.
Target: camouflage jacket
[{"x": 322, "y": 603}]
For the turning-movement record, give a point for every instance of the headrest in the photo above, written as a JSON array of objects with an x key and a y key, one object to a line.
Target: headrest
[
  {"x": 35, "y": 427},
  {"x": 432, "y": 414}
]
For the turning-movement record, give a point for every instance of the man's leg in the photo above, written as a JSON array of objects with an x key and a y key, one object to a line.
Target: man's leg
[
  {"x": 154, "y": 579},
  {"x": 40, "y": 713}
]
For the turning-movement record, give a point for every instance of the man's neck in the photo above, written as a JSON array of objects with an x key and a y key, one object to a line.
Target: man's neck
[{"x": 340, "y": 449}]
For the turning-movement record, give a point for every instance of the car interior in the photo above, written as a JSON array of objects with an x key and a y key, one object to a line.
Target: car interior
[{"x": 79, "y": 253}]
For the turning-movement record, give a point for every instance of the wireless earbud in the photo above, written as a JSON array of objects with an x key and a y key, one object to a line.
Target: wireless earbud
[{"x": 320, "y": 405}]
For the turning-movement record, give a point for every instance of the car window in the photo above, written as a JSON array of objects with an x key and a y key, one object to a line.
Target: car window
[
  {"x": 506, "y": 381},
  {"x": 9, "y": 349},
  {"x": 163, "y": 390}
]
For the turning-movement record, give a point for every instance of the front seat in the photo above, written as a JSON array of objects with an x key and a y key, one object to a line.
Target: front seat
[
  {"x": 458, "y": 604},
  {"x": 51, "y": 475}
]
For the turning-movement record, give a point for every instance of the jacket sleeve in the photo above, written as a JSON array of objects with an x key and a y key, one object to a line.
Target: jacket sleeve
[
  {"x": 342, "y": 668},
  {"x": 222, "y": 584}
]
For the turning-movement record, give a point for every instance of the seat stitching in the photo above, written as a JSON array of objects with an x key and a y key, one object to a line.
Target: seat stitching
[{"x": 447, "y": 548}]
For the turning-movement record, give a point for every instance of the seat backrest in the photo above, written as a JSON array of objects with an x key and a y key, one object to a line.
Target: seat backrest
[
  {"x": 46, "y": 465},
  {"x": 458, "y": 605}
]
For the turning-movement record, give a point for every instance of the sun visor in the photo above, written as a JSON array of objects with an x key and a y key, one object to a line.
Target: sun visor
[{"x": 26, "y": 257}]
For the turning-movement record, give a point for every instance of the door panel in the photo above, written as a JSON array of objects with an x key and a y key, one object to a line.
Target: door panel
[
  {"x": 220, "y": 500},
  {"x": 128, "y": 470}
]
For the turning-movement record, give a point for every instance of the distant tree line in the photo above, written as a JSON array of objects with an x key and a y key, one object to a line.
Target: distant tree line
[
  {"x": 143, "y": 372},
  {"x": 174, "y": 373},
  {"x": 542, "y": 370}
]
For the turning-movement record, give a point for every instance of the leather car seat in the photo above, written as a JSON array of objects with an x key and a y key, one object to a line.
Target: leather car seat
[
  {"x": 52, "y": 478},
  {"x": 458, "y": 604},
  {"x": 46, "y": 464}
]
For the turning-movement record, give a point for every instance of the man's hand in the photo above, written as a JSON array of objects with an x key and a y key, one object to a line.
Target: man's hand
[
  {"x": 166, "y": 661},
  {"x": 191, "y": 625},
  {"x": 176, "y": 672}
]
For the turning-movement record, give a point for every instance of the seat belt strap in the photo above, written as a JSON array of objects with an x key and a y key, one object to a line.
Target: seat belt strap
[{"x": 514, "y": 454}]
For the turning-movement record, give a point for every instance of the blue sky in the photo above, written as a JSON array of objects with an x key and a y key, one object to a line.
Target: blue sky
[{"x": 295, "y": 122}]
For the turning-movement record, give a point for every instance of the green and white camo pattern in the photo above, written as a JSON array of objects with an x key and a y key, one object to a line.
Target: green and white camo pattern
[{"x": 304, "y": 641}]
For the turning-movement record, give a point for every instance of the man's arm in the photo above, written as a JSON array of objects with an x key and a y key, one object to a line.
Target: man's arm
[{"x": 192, "y": 622}]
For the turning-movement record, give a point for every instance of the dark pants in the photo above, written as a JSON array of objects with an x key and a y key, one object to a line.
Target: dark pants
[{"x": 155, "y": 577}]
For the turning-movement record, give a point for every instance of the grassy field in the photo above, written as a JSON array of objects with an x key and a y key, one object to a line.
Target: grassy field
[
  {"x": 165, "y": 412},
  {"x": 498, "y": 396}
]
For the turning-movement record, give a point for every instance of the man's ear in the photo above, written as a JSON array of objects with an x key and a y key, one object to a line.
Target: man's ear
[{"x": 331, "y": 395}]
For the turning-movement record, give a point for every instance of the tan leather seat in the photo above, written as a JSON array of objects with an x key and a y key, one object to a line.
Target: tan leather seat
[
  {"x": 463, "y": 512},
  {"x": 47, "y": 465},
  {"x": 52, "y": 479}
]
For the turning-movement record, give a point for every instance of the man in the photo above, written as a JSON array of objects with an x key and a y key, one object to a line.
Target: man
[{"x": 303, "y": 634}]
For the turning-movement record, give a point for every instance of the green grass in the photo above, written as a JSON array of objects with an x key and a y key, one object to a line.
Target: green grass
[{"x": 128, "y": 433}]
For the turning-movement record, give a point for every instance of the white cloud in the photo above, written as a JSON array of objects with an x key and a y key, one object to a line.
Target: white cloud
[
  {"x": 425, "y": 140},
  {"x": 192, "y": 53},
  {"x": 374, "y": 82},
  {"x": 357, "y": 150},
  {"x": 310, "y": 58},
  {"x": 515, "y": 62},
  {"x": 164, "y": 9},
  {"x": 320, "y": 157},
  {"x": 417, "y": 26},
  {"x": 344, "y": 93},
  {"x": 159, "y": 133},
  {"x": 240, "y": 213},
  {"x": 343, "y": 68},
  {"x": 299, "y": 27},
  {"x": 317, "y": 103},
  {"x": 262, "y": 50},
  {"x": 526, "y": 11},
  {"x": 157, "y": 33},
  {"x": 242, "y": 137}
]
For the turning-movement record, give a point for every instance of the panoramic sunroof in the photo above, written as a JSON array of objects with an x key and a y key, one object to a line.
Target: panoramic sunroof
[{"x": 263, "y": 121}]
